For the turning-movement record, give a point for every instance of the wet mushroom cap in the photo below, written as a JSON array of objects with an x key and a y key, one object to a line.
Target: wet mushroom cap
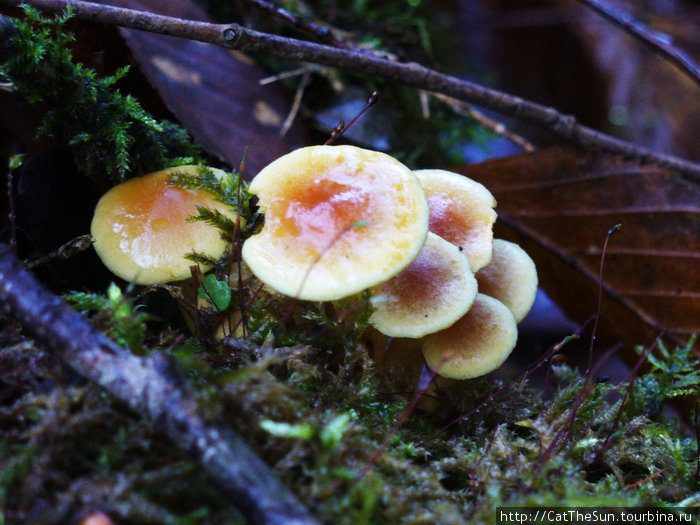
[
  {"x": 338, "y": 220},
  {"x": 476, "y": 344},
  {"x": 510, "y": 277},
  {"x": 430, "y": 294},
  {"x": 141, "y": 231},
  {"x": 461, "y": 212}
]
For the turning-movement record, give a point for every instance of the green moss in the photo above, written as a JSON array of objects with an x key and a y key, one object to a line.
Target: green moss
[
  {"x": 328, "y": 431},
  {"x": 229, "y": 189},
  {"x": 115, "y": 314},
  {"x": 110, "y": 134}
]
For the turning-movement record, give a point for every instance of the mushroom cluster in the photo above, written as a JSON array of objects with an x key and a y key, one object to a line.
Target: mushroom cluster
[{"x": 341, "y": 219}]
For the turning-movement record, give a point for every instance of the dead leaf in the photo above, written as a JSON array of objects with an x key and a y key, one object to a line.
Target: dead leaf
[
  {"x": 215, "y": 93},
  {"x": 559, "y": 205}
]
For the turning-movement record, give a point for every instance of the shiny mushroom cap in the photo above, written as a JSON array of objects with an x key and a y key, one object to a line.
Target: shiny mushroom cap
[
  {"x": 430, "y": 294},
  {"x": 461, "y": 212},
  {"x": 141, "y": 231},
  {"x": 476, "y": 344},
  {"x": 510, "y": 277},
  {"x": 338, "y": 220}
]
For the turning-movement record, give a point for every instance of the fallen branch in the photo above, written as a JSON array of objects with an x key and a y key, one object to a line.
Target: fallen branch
[
  {"x": 234, "y": 36},
  {"x": 152, "y": 387}
]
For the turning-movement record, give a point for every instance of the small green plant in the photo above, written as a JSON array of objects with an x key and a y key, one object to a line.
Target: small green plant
[
  {"x": 115, "y": 314},
  {"x": 218, "y": 292},
  {"x": 677, "y": 370}
]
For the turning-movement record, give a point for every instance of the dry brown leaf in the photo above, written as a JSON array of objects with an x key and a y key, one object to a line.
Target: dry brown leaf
[
  {"x": 559, "y": 205},
  {"x": 215, "y": 93}
]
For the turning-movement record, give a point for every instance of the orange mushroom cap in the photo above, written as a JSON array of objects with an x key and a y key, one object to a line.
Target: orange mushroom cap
[
  {"x": 430, "y": 294},
  {"x": 338, "y": 220},
  {"x": 461, "y": 212},
  {"x": 141, "y": 231},
  {"x": 510, "y": 277},
  {"x": 476, "y": 344}
]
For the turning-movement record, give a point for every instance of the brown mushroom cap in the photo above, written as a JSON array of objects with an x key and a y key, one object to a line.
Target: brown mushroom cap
[
  {"x": 510, "y": 277},
  {"x": 338, "y": 220},
  {"x": 430, "y": 294},
  {"x": 476, "y": 344},
  {"x": 141, "y": 231},
  {"x": 461, "y": 211}
]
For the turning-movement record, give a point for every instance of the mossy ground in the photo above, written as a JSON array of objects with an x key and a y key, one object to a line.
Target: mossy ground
[
  {"x": 313, "y": 394},
  {"x": 328, "y": 427}
]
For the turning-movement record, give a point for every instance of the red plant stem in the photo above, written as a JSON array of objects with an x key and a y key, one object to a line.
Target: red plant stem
[
  {"x": 12, "y": 216},
  {"x": 537, "y": 365},
  {"x": 630, "y": 383},
  {"x": 599, "y": 310},
  {"x": 426, "y": 378},
  {"x": 567, "y": 430},
  {"x": 647, "y": 479},
  {"x": 342, "y": 128},
  {"x": 587, "y": 386}
]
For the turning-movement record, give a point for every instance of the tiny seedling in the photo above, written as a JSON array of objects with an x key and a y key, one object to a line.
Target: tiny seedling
[{"x": 215, "y": 291}]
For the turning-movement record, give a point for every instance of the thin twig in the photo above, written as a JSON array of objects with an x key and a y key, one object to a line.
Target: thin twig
[
  {"x": 63, "y": 252},
  {"x": 234, "y": 36},
  {"x": 322, "y": 33},
  {"x": 296, "y": 104},
  {"x": 467, "y": 110},
  {"x": 153, "y": 387},
  {"x": 303, "y": 70},
  {"x": 659, "y": 42}
]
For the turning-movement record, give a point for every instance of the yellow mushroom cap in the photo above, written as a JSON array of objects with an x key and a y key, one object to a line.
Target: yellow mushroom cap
[
  {"x": 461, "y": 211},
  {"x": 141, "y": 231},
  {"x": 510, "y": 277},
  {"x": 338, "y": 220},
  {"x": 430, "y": 294},
  {"x": 476, "y": 344}
]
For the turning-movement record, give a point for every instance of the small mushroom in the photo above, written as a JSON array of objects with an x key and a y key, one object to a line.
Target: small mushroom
[
  {"x": 510, "y": 277},
  {"x": 338, "y": 220},
  {"x": 141, "y": 230},
  {"x": 461, "y": 211},
  {"x": 435, "y": 290},
  {"x": 476, "y": 344}
]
